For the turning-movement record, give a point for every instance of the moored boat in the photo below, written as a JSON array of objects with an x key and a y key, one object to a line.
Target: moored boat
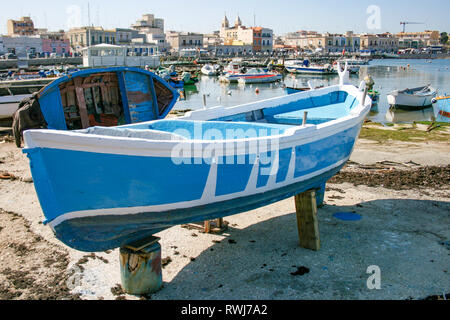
[
  {"x": 305, "y": 67},
  {"x": 97, "y": 97},
  {"x": 210, "y": 70},
  {"x": 9, "y": 104},
  {"x": 415, "y": 98},
  {"x": 132, "y": 181},
  {"x": 259, "y": 76},
  {"x": 254, "y": 75}
]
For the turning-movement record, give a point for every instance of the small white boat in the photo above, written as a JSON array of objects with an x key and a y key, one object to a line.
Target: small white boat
[
  {"x": 304, "y": 67},
  {"x": 210, "y": 70},
  {"x": 254, "y": 75},
  {"x": 420, "y": 97},
  {"x": 259, "y": 76},
  {"x": 9, "y": 104},
  {"x": 352, "y": 67}
]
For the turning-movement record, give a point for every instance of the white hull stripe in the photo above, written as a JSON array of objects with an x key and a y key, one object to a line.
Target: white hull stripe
[{"x": 206, "y": 199}]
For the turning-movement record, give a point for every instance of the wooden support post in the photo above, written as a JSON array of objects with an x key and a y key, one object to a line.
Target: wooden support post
[
  {"x": 307, "y": 222},
  {"x": 207, "y": 226}
]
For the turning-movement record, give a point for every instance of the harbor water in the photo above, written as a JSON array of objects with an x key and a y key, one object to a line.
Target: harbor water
[{"x": 388, "y": 74}]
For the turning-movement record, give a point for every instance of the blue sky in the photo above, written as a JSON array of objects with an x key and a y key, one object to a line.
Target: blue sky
[{"x": 205, "y": 16}]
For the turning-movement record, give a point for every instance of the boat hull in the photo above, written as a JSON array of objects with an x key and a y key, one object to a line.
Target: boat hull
[
  {"x": 114, "y": 198},
  {"x": 9, "y": 105},
  {"x": 259, "y": 79},
  {"x": 410, "y": 101},
  {"x": 305, "y": 70},
  {"x": 443, "y": 109}
]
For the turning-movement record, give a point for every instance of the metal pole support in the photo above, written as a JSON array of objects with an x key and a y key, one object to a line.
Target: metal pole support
[{"x": 140, "y": 266}]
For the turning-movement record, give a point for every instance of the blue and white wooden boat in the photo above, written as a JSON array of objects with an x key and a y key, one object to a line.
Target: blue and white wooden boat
[
  {"x": 105, "y": 97},
  {"x": 101, "y": 188}
]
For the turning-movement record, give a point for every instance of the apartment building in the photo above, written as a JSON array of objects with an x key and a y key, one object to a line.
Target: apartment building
[
  {"x": 184, "y": 40},
  {"x": 418, "y": 40},
  {"x": 22, "y": 27}
]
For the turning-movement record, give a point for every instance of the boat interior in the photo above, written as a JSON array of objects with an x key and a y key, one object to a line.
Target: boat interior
[
  {"x": 92, "y": 101},
  {"x": 98, "y": 100},
  {"x": 252, "y": 124}
]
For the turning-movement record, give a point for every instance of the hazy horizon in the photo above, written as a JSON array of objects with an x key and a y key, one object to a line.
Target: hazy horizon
[{"x": 205, "y": 16}]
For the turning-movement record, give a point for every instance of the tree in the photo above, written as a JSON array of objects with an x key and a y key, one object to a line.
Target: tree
[{"x": 444, "y": 38}]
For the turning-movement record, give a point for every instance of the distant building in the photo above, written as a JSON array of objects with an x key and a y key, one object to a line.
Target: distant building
[
  {"x": 212, "y": 39},
  {"x": 88, "y": 36},
  {"x": 385, "y": 42},
  {"x": 328, "y": 43},
  {"x": 22, "y": 27},
  {"x": 418, "y": 40},
  {"x": 151, "y": 30},
  {"x": 184, "y": 40},
  {"x": 149, "y": 24},
  {"x": 261, "y": 39},
  {"x": 54, "y": 42},
  {"x": 125, "y": 36},
  {"x": 22, "y": 45}
]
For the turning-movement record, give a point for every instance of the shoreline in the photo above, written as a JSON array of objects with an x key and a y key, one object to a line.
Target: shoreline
[{"x": 404, "y": 230}]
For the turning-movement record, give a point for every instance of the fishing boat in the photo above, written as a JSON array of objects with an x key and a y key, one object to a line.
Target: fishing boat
[
  {"x": 305, "y": 67},
  {"x": 443, "y": 108},
  {"x": 12, "y": 92},
  {"x": 254, "y": 75},
  {"x": 210, "y": 70},
  {"x": 9, "y": 104},
  {"x": 415, "y": 98},
  {"x": 259, "y": 76},
  {"x": 97, "y": 97},
  {"x": 101, "y": 188}
]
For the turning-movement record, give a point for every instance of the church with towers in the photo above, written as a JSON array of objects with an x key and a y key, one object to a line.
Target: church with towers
[{"x": 261, "y": 39}]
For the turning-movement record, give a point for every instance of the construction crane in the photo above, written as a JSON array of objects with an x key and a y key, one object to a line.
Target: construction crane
[{"x": 405, "y": 23}]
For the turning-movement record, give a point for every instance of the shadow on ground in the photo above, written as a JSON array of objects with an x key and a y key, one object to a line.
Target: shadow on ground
[{"x": 407, "y": 239}]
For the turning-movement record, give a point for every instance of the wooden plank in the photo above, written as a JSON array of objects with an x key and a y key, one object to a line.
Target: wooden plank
[
  {"x": 307, "y": 222},
  {"x": 207, "y": 226},
  {"x": 81, "y": 103},
  {"x": 142, "y": 243}
]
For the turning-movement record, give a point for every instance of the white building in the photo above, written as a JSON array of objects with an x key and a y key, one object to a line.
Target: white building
[
  {"x": 184, "y": 40},
  {"x": 151, "y": 30},
  {"x": 21, "y": 45},
  {"x": 106, "y": 55}
]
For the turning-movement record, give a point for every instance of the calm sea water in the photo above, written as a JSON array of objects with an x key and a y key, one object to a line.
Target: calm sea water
[{"x": 388, "y": 74}]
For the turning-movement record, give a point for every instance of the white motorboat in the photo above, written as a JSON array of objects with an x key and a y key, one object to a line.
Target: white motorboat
[
  {"x": 254, "y": 75},
  {"x": 420, "y": 97},
  {"x": 305, "y": 67},
  {"x": 210, "y": 70},
  {"x": 9, "y": 104}
]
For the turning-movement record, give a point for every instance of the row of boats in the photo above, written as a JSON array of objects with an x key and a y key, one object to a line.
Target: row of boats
[{"x": 235, "y": 72}]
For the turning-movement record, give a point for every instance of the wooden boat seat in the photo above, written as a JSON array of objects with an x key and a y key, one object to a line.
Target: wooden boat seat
[
  {"x": 214, "y": 130},
  {"x": 315, "y": 115}
]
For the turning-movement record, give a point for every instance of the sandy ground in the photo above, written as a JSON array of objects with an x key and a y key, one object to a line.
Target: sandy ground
[{"x": 404, "y": 232}]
